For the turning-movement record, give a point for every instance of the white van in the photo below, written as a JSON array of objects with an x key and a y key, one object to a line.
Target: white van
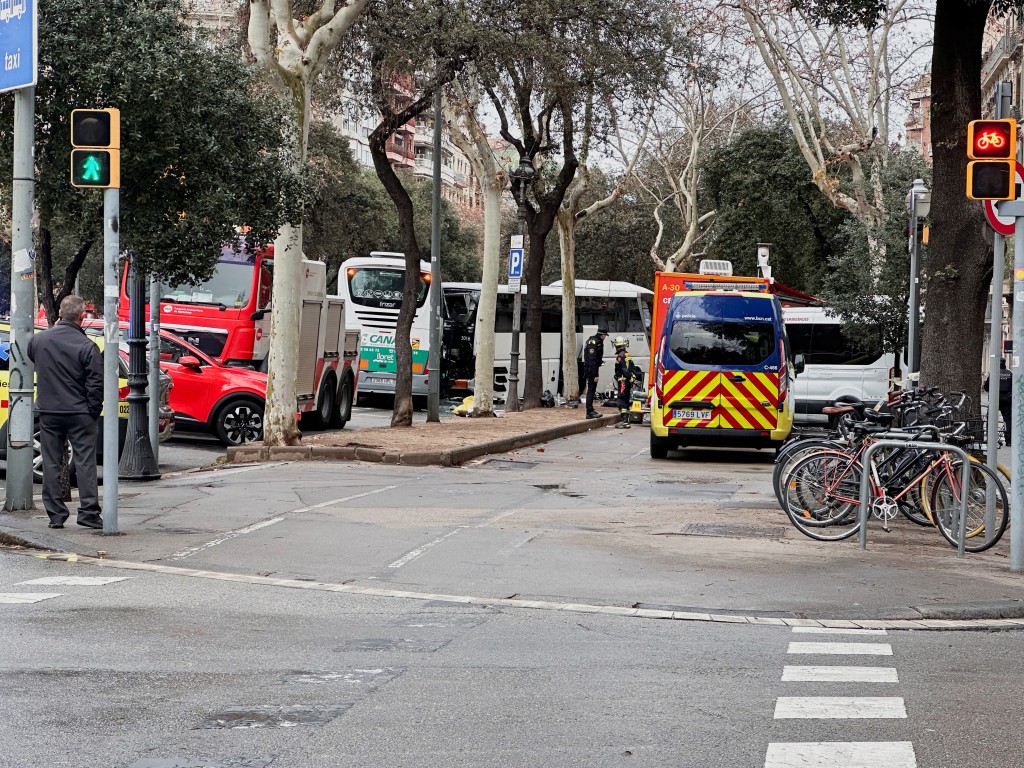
[{"x": 836, "y": 365}]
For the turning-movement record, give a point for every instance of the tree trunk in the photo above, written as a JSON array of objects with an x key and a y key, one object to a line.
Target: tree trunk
[
  {"x": 483, "y": 386},
  {"x": 401, "y": 415},
  {"x": 567, "y": 246},
  {"x": 956, "y": 262},
  {"x": 280, "y": 423},
  {"x": 532, "y": 377}
]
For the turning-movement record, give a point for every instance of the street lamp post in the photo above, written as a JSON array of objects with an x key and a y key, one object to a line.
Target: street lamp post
[
  {"x": 521, "y": 177},
  {"x": 919, "y": 203}
]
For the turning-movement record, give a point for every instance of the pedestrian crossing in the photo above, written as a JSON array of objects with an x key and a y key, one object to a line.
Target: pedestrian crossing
[
  {"x": 841, "y": 754},
  {"x": 27, "y": 598}
]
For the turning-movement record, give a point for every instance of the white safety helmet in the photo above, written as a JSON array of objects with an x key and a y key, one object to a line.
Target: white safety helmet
[{"x": 620, "y": 342}]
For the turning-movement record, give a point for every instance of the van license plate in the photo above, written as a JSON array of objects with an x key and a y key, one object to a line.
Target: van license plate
[
  {"x": 691, "y": 415},
  {"x": 378, "y": 380}
]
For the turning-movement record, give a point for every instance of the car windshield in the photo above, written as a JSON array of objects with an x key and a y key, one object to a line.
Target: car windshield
[
  {"x": 721, "y": 343},
  {"x": 375, "y": 287},
  {"x": 230, "y": 286}
]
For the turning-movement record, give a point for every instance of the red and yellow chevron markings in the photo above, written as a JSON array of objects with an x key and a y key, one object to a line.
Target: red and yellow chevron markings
[{"x": 737, "y": 404}]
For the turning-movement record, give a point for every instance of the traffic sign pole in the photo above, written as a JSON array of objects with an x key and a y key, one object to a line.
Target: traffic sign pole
[
  {"x": 515, "y": 276},
  {"x": 23, "y": 294},
  {"x": 111, "y": 354}
]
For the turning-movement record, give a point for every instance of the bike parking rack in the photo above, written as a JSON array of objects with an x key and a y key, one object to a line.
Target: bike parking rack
[{"x": 965, "y": 478}]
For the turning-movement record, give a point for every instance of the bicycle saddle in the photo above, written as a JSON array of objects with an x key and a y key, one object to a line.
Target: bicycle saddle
[{"x": 878, "y": 417}]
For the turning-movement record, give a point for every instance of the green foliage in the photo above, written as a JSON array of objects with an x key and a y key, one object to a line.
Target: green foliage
[
  {"x": 761, "y": 189},
  {"x": 200, "y": 143},
  {"x": 863, "y": 302}
]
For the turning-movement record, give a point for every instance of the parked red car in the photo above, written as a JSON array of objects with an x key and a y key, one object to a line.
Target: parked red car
[{"x": 208, "y": 396}]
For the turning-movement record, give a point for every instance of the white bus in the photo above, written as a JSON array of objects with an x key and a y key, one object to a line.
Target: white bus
[
  {"x": 624, "y": 308},
  {"x": 836, "y": 364},
  {"x": 372, "y": 288}
]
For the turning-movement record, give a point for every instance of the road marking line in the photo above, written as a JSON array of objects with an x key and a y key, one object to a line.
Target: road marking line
[
  {"x": 506, "y": 551},
  {"x": 851, "y": 754},
  {"x": 188, "y": 552},
  {"x": 836, "y": 631},
  {"x": 16, "y": 598},
  {"x": 76, "y": 581},
  {"x": 842, "y": 649},
  {"x": 792, "y": 674},
  {"x": 408, "y": 557},
  {"x": 840, "y": 707}
]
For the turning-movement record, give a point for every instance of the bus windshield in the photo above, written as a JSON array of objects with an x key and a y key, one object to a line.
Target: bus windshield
[
  {"x": 375, "y": 287},
  {"x": 230, "y": 286}
]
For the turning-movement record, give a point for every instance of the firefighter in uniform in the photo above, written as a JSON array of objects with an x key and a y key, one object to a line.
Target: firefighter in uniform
[
  {"x": 593, "y": 357},
  {"x": 625, "y": 376}
]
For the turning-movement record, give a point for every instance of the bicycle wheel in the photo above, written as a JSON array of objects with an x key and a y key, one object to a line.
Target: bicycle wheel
[
  {"x": 945, "y": 500},
  {"x": 790, "y": 454},
  {"x": 910, "y": 504},
  {"x": 822, "y": 496},
  {"x": 928, "y": 482}
]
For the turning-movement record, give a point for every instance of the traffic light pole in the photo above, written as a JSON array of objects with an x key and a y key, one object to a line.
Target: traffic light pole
[
  {"x": 154, "y": 366},
  {"x": 23, "y": 293},
  {"x": 434, "y": 354},
  {"x": 137, "y": 461},
  {"x": 111, "y": 354}
]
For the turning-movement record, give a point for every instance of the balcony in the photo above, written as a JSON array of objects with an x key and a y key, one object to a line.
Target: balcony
[{"x": 998, "y": 58}]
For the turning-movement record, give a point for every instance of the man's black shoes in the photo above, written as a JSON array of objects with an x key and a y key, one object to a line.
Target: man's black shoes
[
  {"x": 593, "y": 415},
  {"x": 56, "y": 525},
  {"x": 94, "y": 524}
]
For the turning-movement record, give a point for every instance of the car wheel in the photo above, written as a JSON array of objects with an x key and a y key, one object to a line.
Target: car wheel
[
  {"x": 239, "y": 421},
  {"x": 343, "y": 410},
  {"x": 659, "y": 447}
]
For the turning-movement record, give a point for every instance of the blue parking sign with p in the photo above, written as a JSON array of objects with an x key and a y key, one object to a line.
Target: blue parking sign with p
[{"x": 515, "y": 263}]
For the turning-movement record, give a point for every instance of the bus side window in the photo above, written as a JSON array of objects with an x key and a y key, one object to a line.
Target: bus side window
[
  {"x": 503, "y": 314},
  {"x": 551, "y": 314}
]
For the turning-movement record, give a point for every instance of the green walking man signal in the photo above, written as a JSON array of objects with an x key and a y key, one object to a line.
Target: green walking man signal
[{"x": 96, "y": 153}]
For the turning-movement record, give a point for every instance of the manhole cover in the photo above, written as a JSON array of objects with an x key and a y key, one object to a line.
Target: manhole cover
[
  {"x": 366, "y": 679},
  {"x": 273, "y": 716},
  {"x": 392, "y": 644},
  {"x": 183, "y": 762},
  {"x": 508, "y": 464},
  {"x": 737, "y": 531}
]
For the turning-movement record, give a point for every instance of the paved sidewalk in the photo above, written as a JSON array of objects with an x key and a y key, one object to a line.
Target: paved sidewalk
[{"x": 589, "y": 519}]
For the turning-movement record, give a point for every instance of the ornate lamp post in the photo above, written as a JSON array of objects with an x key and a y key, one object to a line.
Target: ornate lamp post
[{"x": 521, "y": 178}]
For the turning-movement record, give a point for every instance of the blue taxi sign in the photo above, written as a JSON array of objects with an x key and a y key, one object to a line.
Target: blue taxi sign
[{"x": 18, "y": 36}]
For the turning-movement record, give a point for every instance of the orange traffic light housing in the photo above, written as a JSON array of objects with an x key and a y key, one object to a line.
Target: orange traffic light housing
[
  {"x": 992, "y": 180},
  {"x": 992, "y": 140},
  {"x": 96, "y": 148}
]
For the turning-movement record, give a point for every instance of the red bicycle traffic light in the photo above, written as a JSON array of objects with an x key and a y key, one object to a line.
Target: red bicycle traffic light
[{"x": 992, "y": 140}]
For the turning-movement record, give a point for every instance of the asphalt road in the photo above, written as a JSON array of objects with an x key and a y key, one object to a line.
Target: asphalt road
[{"x": 160, "y": 671}]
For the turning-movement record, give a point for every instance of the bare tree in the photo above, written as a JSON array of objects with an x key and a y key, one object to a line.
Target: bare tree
[
  {"x": 462, "y": 110},
  {"x": 294, "y": 51}
]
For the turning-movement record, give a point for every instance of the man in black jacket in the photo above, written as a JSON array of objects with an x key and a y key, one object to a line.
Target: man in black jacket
[
  {"x": 1005, "y": 399},
  {"x": 69, "y": 398},
  {"x": 593, "y": 359}
]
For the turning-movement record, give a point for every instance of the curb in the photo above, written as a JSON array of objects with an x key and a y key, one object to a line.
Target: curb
[
  {"x": 932, "y": 625},
  {"x": 452, "y": 457}
]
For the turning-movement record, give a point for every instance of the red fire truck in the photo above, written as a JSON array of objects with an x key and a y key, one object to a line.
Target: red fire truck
[{"x": 228, "y": 318}]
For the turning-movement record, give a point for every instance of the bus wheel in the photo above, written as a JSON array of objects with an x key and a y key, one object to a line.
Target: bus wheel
[
  {"x": 324, "y": 413},
  {"x": 659, "y": 447},
  {"x": 343, "y": 410}
]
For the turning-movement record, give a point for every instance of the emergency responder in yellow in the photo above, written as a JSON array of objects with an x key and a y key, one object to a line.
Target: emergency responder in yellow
[{"x": 626, "y": 374}]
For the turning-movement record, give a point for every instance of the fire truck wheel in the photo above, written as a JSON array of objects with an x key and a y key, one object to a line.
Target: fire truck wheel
[
  {"x": 343, "y": 410},
  {"x": 321, "y": 417},
  {"x": 239, "y": 421}
]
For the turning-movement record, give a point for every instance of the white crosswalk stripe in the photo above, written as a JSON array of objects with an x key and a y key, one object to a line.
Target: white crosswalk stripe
[
  {"x": 794, "y": 674},
  {"x": 76, "y": 581},
  {"x": 842, "y": 649},
  {"x": 851, "y": 754},
  {"x": 836, "y": 631},
  {"x": 839, "y": 707},
  {"x": 26, "y": 597}
]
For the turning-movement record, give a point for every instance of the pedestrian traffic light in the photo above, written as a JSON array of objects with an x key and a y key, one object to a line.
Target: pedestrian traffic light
[
  {"x": 992, "y": 180},
  {"x": 96, "y": 153},
  {"x": 992, "y": 140}
]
